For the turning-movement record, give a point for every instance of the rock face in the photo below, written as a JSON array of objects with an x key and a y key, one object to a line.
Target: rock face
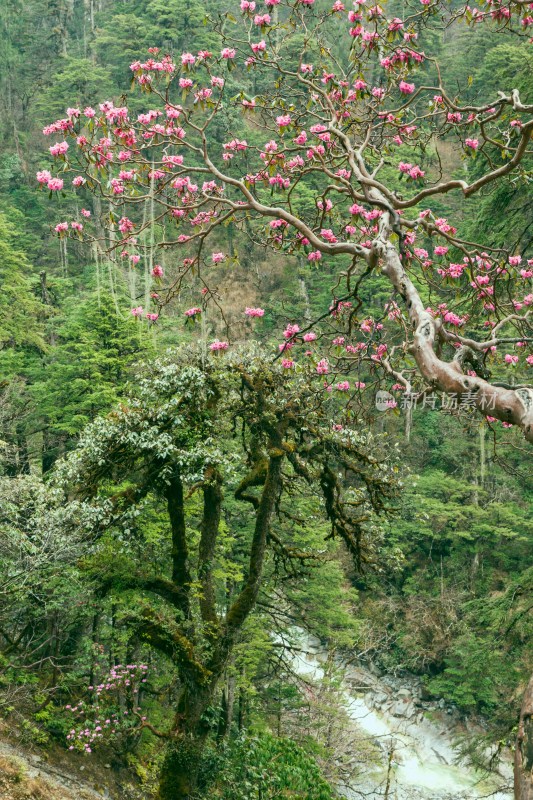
[
  {"x": 412, "y": 739},
  {"x": 24, "y": 776}
]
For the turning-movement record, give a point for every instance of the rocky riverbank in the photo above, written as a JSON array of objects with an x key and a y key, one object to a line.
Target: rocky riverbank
[{"x": 413, "y": 738}]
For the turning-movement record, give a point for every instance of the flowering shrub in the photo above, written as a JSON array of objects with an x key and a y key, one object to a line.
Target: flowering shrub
[{"x": 113, "y": 710}]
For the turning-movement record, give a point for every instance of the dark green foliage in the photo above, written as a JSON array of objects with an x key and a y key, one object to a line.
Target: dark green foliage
[
  {"x": 247, "y": 773},
  {"x": 84, "y": 373},
  {"x": 21, "y": 314}
]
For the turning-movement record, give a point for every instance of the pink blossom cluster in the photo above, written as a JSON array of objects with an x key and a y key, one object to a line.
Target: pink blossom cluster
[
  {"x": 59, "y": 149},
  {"x": 44, "y": 177},
  {"x": 412, "y": 170},
  {"x": 217, "y": 345}
]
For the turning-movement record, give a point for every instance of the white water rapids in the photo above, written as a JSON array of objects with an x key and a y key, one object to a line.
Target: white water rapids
[{"x": 424, "y": 764}]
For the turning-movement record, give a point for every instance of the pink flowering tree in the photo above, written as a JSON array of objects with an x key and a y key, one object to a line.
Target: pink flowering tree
[{"x": 350, "y": 100}]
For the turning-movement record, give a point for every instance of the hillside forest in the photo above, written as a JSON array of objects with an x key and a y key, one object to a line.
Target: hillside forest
[{"x": 266, "y": 399}]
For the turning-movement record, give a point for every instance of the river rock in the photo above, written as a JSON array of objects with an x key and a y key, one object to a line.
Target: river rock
[
  {"x": 403, "y": 708},
  {"x": 378, "y": 699},
  {"x": 401, "y": 693}
]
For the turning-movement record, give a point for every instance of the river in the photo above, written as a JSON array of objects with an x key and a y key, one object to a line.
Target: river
[{"x": 414, "y": 751}]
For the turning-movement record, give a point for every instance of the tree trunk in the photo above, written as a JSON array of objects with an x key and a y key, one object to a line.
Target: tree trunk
[
  {"x": 181, "y": 769},
  {"x": 182, "y": 765},
  {"x": 523, "y": 759},
  {"x": 226, "y": 709}
]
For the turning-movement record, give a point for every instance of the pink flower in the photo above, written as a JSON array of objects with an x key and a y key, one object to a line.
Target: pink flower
[
  {"x": 55, "y": 184},
  {"x": 59, "y": 149},
  {"x": 473, "y": 143},
  {"x": 217, "y": 258},
  {"x": 85, "y": 212},
  {"x": 309, "y": 337},
  {"x": 316, "y": 255},
  {"x": 452, "y": 318},
  {"x": 79, "y": 180},
  {"x": 380, "y": 352},
  {"x": 514, "y": 261},
  {"x": 61, "y": 227},
  {"x": 216, "y": 345},
  {"x": 287, "y": 363},
  {"x": 301, "y": 138},
  {"x": 343, "y": 386},
  {"x": 396, "y": 24},
  {"x": 359, "y": 385},
  {"x": 43, "y": 176},
  {"x": 328, "y": 235},
  {"x": 406, "y": 88},
  {"x": 285, "y": 346},
  {"x": 228, "y": 52},
  {"x": 290, "y": 331},
  {"x": 322, "y": 367},
  {"x": 187, "y": 59},
  {"x": 138, "y": 311},
  {"x": 157, "y": 271},
  {"x": 283, "y": 121},
  {"x": 254, "y": 312},
  {"x": 125, "y": 225},
  {"x": 440, "y": 250},
  {"x": 510, "y": 359},
  {"x": 415, "y": 173}
]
